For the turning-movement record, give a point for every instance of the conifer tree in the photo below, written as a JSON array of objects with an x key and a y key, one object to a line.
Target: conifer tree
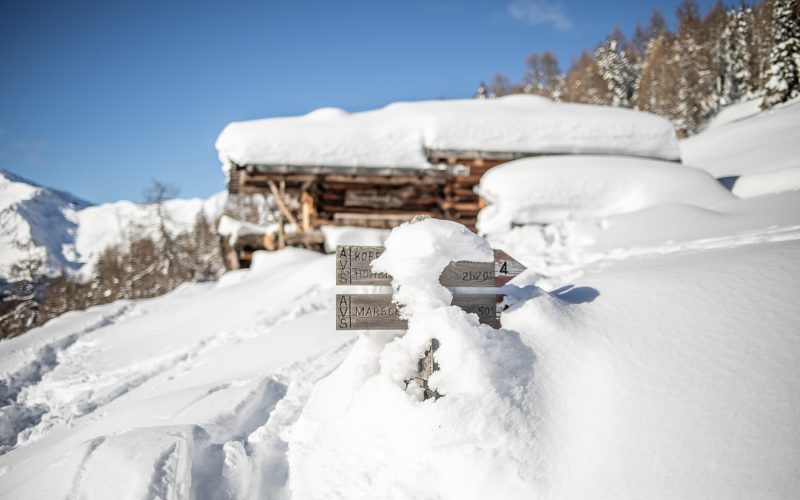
[
  {"x": 616, "y": 69},
  {"x": 737, "y": 40},
  {"x": 783, "y": 74},
  {"x": 695, "y": 82},
  {"x": 482, "y": 92}
]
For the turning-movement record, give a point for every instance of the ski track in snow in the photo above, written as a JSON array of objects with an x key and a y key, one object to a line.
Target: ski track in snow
[
  {"x": 16, "y": 416},
  {"x": 262, "y": 415}
]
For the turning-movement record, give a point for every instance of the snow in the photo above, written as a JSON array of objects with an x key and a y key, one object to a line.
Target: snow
[
  {"x": 650, "y": 351},
  {"x": 101, "y": 226},
  {"x": 350, "y": 235},
  {"x": 234, "y": 229},
  {"x": 398, "y": 135},
  {"x": 766, "y": 141},
  {"x": 549, "y": 189},
  {"x": 149, "y": 386},
  {"x": 776, "y": 181},
  {"x": 33, "y": 214},
  {"x": 734, "y": 113},
  {"x": 72, "y": 233}
]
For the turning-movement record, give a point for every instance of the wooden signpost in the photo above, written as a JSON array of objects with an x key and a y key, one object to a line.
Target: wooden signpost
[
  {"x": 354, "y": 267},
  {"x": 378, "y": 312}
]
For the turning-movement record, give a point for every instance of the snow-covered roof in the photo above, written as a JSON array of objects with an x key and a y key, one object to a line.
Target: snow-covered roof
[{"x": 401, "y": 134}]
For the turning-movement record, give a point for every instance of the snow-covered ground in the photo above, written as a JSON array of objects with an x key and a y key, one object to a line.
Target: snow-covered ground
[
  {"x": 71, "y": 233},
  {"x": 650, "y": 351},
  {"x": 743, "y": 141}
]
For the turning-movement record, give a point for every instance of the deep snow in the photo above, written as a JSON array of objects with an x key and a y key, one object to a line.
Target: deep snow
[
  {"x": 769, "y": 140},
  {"x": 398, "y": 135},
  {"x": 650, "y": 351}
]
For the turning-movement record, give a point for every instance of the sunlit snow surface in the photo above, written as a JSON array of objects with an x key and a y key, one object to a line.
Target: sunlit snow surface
[
  {"x": 649, "y": 352},
  {"x": 399, "y": 134}
]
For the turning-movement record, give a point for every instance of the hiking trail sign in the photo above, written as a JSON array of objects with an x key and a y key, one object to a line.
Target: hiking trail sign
[
  {"x": 378, "y": 312},
  {"x": 354, "y": 267}
]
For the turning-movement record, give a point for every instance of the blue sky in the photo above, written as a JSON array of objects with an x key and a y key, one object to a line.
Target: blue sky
[{"x": 99, "y": 97}]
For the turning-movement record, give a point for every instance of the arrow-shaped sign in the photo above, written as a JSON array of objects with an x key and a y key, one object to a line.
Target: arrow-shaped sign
[
  {"x": 354, "y": 267},
  {"x": 378, "y": 312}
]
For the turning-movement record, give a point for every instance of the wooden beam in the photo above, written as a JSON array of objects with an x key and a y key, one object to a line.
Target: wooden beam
[
  {"x": 307, "y": 211},
  {"x": 281, "y": 203}
]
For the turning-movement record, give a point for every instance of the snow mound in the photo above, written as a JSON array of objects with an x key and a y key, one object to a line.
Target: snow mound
[
  {"x": 549, "y": 189},
  {"x": 683, "y": 389},
  {"x": 769, "y": 140},
  {"x": 735, "y": 112},
  {"x": 761, "y": 183},
  {"x": 366, "y": 433},
  {"x": 351, "y": 235},
  {"x": 399, "y": 134},
  {"x": 636, "y": 379}
]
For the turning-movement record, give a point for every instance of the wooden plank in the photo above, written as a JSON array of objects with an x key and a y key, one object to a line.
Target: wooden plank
[
  {"x": 281, "y": 203},
  {"x": 354, "y": 267},
  {"x": 384, "y": 180},
  {"x": 378, "y": 312}
]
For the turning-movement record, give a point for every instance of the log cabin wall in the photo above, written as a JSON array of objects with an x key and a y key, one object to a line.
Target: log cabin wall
[{"x": 373, "y": 198}]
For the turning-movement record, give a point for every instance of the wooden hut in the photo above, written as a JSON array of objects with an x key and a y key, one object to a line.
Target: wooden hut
[{"x": 380, "y": 168}]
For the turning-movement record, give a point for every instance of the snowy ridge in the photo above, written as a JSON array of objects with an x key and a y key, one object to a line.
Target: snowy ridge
[
  {"x": 33, "y": 214},
  {"x": 72, "y": 233}
]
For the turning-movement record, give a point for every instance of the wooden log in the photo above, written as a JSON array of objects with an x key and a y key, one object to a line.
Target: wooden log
[
  {"x": 307, "y": 211},
  {"x": 384, "y": 180},
  {"x": 281, "y": 203}
]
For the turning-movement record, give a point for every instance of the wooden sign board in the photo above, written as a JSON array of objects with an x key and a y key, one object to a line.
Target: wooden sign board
[
  {"x": 378, "y": 312},
  {"x": 354, "y": 267}
]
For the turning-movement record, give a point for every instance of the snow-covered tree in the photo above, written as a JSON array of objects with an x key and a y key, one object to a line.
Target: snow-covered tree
[
  {"x": 737, "y": 40},
  {"x": 22, "y": 298},
  {"x": 616, "y": 69},
  {"x": 695, "y": 85},
  {"x": 482, "y": 92},
  {"x": 783, "y": 73}
]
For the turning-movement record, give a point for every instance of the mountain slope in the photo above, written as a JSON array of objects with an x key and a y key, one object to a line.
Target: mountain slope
[
  {"x": 70, "y": 233},
  {"x": 43, "y": 218}
]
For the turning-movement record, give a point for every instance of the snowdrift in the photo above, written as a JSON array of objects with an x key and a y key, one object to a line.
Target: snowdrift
[
  {"x": 550, "y": 189},
  {"x": 748, "y": 143},
  {"x": 399, "y": 134},
  {"x": 761, "y": 183},
  {"x": 639, "y": 382}
]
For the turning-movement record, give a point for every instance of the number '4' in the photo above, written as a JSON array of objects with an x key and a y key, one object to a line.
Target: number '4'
[{"x": 504, "y": 268}]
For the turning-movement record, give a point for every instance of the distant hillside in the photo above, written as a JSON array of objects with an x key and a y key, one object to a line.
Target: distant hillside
[{"x": 70, "y": 233}]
